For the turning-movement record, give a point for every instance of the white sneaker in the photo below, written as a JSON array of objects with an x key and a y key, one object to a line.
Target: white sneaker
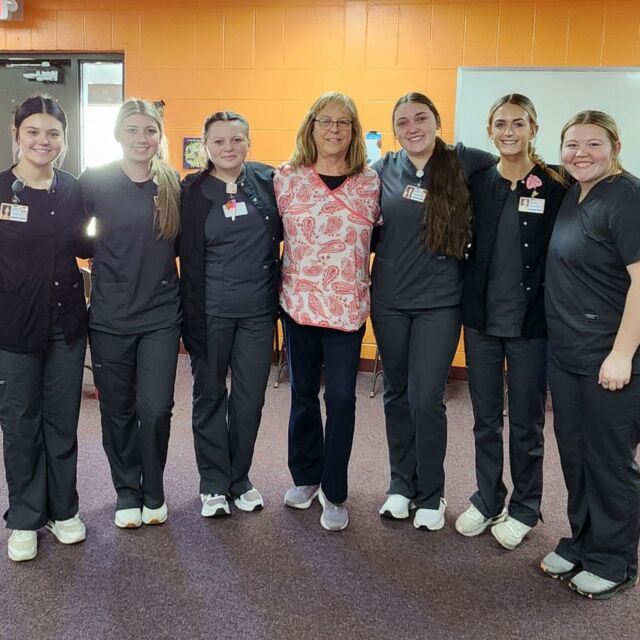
[
  {"x": 68, "y": 531},
  {"x": 249, "y": 501},
  {"x": 214, "y": 505},
  {"x": 510, "y": 533},
  {"x": 128, "y": 518},
  {"x": 592, "y": 586},
  {"x": 396, "y": 507},
  {"x": 155, "y": 516},
  {"x": 554, "y": 565},
  {"x": 430, "y": 519},
  {"x": 22, "y": 545},
  {"x": 472, "y": 522}
]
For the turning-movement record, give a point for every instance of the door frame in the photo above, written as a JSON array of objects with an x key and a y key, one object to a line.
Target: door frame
[{"x": 72, "y": 164}]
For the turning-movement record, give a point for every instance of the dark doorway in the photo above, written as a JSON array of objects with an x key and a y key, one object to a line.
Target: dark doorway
[{"x": 57, "y": 75}]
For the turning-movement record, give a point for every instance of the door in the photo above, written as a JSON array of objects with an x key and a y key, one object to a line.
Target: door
[{"x": 55, "y": 75}]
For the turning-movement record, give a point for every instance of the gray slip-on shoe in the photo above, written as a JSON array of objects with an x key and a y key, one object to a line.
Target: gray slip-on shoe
[
  {"x": 335, "y": 517},
  {"x": 301, "y": 497}
]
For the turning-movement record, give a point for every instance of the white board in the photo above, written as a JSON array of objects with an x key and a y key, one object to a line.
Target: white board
[{"x": 557, "y": 94}]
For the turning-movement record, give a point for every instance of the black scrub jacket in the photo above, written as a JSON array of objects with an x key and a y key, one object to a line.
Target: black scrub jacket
[
  {"x": 489, "y": 191},
  {"x": 38, "y": 268},
  {"x": 256, "y": 183},
  {"x": 239, "y": 263},
  {"x": 587, "y": 281},
  {"x": 406, "y": 275}
]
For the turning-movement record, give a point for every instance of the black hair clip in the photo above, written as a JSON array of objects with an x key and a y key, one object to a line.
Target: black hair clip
[{"x": 17, "y": 187}]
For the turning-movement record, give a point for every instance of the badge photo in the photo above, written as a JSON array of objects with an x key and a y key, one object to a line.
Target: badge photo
[
  {"x": 14, "y": 212},
  {"x": 417, "y": 194},
  {"x": 531, "y": 205}
]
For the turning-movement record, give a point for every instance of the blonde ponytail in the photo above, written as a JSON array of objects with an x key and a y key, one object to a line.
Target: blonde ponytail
[{"x": 167, "y": 211}]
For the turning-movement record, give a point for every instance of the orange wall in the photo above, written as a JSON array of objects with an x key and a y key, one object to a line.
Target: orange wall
[{"x": 270, "y": 59}]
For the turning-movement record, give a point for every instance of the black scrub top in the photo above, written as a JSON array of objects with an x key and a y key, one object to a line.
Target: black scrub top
[
  {"x": 239, "y": 274},
  {"x": 505, "y": 300},
  {"x": 135, "y": 284},
  {"x": 406, "y": 275},
  {"x": 586, "y": 279}
]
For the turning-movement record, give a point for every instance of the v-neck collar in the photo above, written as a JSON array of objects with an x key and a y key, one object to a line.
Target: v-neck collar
[{"x": 324, "y": 184}]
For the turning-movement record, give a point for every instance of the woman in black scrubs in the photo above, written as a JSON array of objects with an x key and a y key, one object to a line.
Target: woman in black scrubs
[
  {"x": 515, "y": 204},
  {"x": 593, "y": 314},
  {"x": 415, "y": 300},
  {"x": 229, "y": 252},
  {"x": 135, "y": 309},
  {"x": 43, "y": 320}
]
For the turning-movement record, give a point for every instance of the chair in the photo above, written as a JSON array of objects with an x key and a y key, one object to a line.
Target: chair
[
  {"x": 281, "y": 354},
  {"x": 375, "y": 374},
  {"x": 86, "y": 280}
]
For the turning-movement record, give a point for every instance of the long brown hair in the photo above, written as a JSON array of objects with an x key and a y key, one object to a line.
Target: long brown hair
[
  {"x": 446, "y": 221},
  {"x": 305, "y": 154},
  {"x": 519, "y": 100},
  {"x": 167, "y": 212}
]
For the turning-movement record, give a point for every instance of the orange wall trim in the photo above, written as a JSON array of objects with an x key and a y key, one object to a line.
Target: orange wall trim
[{"x": 269, "y": 60}]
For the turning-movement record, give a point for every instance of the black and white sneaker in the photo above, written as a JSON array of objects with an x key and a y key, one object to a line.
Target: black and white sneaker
[
  {"x": 214, "y": 505},
  {"x": 249, "y": 501}
]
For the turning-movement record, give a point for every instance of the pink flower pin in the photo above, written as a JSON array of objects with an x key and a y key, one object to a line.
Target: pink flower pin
[{"x": 533, "y": 182}]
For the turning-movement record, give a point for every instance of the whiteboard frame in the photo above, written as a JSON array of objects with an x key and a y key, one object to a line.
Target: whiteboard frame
[{"x": 557, "y": 97}]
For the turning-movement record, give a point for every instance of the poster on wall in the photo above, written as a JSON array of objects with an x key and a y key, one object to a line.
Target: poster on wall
[{"x": 192, "y": 153}]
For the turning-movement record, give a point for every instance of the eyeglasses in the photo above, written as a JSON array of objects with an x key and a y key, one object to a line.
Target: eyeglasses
[{"x": 327, "y": 123}]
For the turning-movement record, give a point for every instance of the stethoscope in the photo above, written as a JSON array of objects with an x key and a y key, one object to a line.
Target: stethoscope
[{"x": 19, "y": 185}]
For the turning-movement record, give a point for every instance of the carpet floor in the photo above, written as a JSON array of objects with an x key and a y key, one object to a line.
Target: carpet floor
[{"x": 277, "y": 574}]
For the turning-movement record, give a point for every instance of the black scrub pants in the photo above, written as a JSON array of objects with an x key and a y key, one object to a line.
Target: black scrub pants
[
  {"x": 39, "y": 407},
  {"x": 598, "y": 432},
  {"x": 416, "y": 348},
  {"x": 225, "y": 424},
  {"x": 527, "y": 375},
  {"x": 135, "y": 377},
  {"x": 314, "y": 457}
]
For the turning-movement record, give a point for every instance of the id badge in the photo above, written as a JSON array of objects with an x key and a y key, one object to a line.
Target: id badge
[
  {"x": 531, "y": 205},
  {"x": 232, "y": 209},
  {"x": 417, "y": 194},
  {"x": 14, "y": 212}
]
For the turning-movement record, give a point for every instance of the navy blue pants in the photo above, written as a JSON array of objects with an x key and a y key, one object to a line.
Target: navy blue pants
[
  {"x": 314, "y": 457},
  {"x": 598, "y": 432}
]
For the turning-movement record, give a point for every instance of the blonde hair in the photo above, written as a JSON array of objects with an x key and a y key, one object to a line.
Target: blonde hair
[
  {"x": 306, "y": 153},
  {"x": 604, "y": 121},
  {"x": 167, "y": 212},
  {"x": 519, "y": 100}
]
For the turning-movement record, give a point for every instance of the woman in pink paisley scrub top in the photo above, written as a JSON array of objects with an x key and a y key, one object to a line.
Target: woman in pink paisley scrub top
[{"x": 329, "y": 201}]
